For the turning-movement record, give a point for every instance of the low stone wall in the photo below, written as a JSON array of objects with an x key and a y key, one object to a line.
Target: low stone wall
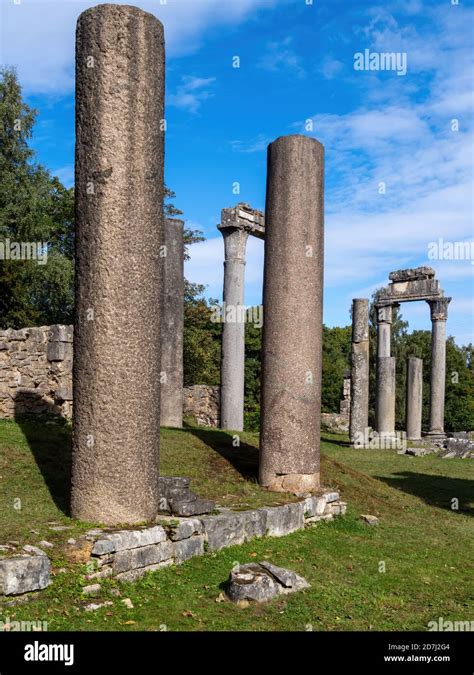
[
  {"x": 36, "y": 371},
  {"x": 36, "y": 377},
  {"x": 335, "y": 422},
  {"x": 129, "y": 554},
  {"x": 202, "y": 402}
]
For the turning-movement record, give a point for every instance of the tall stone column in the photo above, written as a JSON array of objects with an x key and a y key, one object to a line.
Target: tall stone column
[
  {"x": 385, "y": 396},
  {"x": 439, "y": 315},
  {"x": 233, "y": 330},
  {"x": 292, "y": 331},
  {"x": 172, "y": 318},
  {"x": 119, "y": 222},
  {"x": 359, "y": 411},
  {"x": 384, "y": 326},
  {"x": 414, "y": 402}
]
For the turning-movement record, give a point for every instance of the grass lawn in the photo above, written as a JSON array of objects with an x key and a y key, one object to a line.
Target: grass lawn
[{"x": 415, "y": 567}]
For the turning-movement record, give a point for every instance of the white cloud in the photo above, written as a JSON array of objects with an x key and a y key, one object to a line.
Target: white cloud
[
  {"x": 65, "y": 175},
  {"x": 191, "y": 93},
  {"x": 258, "y": 144},
  {"x": 37, "y": 36},
  {"x": 280, "y": 57}
]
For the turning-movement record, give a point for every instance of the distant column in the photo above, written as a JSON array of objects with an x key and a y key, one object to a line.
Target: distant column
[
  {"x": 120, "y": 65},
  {"x": 385, "y": 396},
  {"x": 359, "y": 410},
  {"x": 414, "y": 401},
  {"x": 384, "y": 325},
  {"x": 292, "y": 332},
  {"x": 439, "y": 316},
  {"x": 172, "y": 325},
  {"x": 233, "y": 330}
]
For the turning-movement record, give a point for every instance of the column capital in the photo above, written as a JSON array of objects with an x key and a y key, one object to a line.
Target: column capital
[
  {"x": 439, "y": 308},
  {"x": 384, "y": 314},
  {"x": 235, "y": 242}
]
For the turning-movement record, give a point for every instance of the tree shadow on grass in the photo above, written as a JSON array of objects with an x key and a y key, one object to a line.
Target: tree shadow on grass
[
  {"x": 437, "y": 491},
  {"x": 326, "y": 437},
  {"x": 244, "y": 457},
  {"x": 49, "y": 439}
]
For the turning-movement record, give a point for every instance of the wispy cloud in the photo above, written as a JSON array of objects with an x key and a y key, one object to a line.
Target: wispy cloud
[
  {"x": 257, "y": 144},
  {"x": 280, "y": 57},
  {"x": 191, "y": 93},
  {"x": 26, "y": 28}
]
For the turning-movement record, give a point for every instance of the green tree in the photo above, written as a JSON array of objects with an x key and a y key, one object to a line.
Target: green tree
[{"x": 34, "y": 207}]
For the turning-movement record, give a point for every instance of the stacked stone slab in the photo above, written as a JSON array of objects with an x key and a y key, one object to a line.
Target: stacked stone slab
[
  {"x": 414, "y": 398},
  {"x": 129, "y": 554},
  {"x": 172, "y": 325},
  {"x": 119, "y": 231},
  {"x": 359, "y": 409},
  {"x": 236, "y": 225},
  {"x": 292, "y": 299}
]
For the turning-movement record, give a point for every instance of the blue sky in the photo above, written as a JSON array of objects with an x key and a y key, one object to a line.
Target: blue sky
[{"x": 296, "y": 64}]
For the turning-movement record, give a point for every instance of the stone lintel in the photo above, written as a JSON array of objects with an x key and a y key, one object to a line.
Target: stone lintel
[
  {"x": 412, "y": 274},
  {"x": 410, "y": 290},
  {"x": 243, "y": 217}
]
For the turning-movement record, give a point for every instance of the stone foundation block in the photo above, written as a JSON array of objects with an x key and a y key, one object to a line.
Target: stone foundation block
[{"x": 21, "y": 574}]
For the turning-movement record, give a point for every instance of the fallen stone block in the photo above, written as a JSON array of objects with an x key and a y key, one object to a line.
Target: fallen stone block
[
  {"x": 260, "y": 582},
  {"x": 369, "y": 520},
  {"x": 22, "y": 574}
]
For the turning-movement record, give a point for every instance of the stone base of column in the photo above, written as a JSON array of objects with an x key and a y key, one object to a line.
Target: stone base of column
[
  {"x": 434, "y": 435},
  {"x": 298, "y": 483}
]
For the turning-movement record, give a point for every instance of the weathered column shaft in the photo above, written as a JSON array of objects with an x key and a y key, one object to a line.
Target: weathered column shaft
[
  {"x": 439, "y": 315},
  {"x": 233, "y": 330},
  {"x": 384, "y": 325},
  {"x": 292, "y": 333},
  {"x": 414, "y": 401},
  {"x": 119, "y": 220},
  {"x": 172, "y": 325},
  {"x": 359, "y": 410},
  {"x": 385, "y": 395}
]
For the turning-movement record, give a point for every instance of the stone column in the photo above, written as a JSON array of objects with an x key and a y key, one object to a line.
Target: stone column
[
  {"x": 439, "y": 315},
  {"x": 172, "y": 318},
  {"x": 233, "y": 330},
  {"x": 359, "y": 416},
  {"x": 385, "y": 396},
  {"x": 292, "y": 299},
  {"x": 119, "y": 223},
  {"x": 414, "y": 402},
  {"x": 384, "y": 323}
]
